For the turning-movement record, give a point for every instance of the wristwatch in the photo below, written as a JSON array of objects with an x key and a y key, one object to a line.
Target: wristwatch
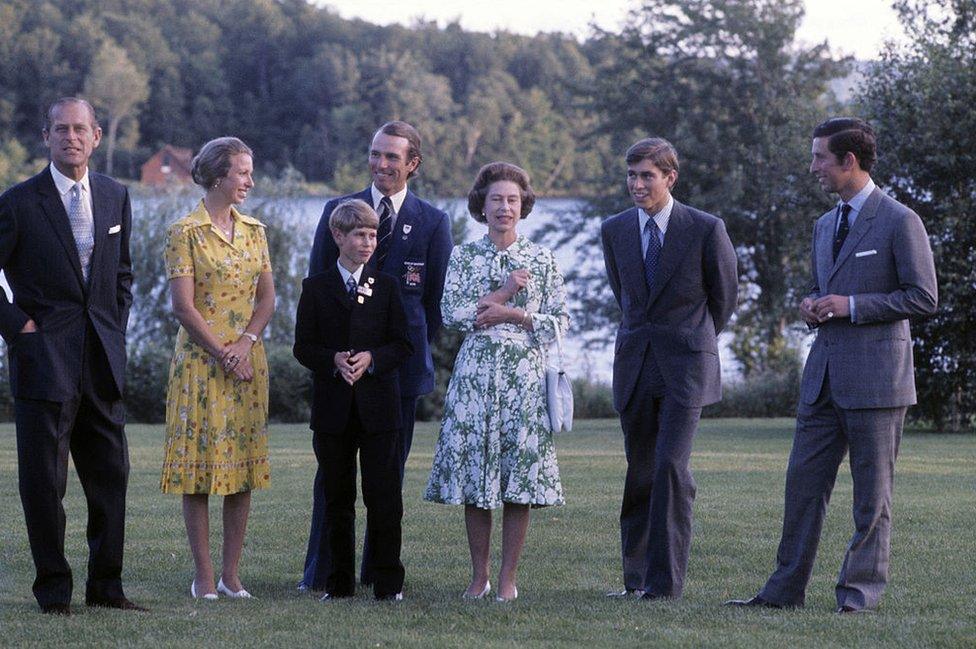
[{"x": 253, "y": 338}]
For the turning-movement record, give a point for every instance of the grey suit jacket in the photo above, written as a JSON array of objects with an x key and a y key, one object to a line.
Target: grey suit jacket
[
  {"x": 886, "y": 264},
  {"x": 677, "y": 318}
]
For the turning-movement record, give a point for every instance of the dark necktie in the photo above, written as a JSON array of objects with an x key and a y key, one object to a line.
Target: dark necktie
[
  {"x": 351, "y": 287},
  {"x": 384, "y": 232},
  {"x": 653, "y": 251},
  {"x": 842, "y": 229}
]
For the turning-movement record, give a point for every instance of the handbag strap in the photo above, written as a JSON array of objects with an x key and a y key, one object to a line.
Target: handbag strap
[{"x": 559, "y": 347}]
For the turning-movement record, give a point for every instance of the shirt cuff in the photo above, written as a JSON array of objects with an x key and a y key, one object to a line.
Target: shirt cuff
[{"x": 850, "y": 302}]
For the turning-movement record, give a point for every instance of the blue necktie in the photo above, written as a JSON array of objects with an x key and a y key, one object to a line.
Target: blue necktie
[
  {"x": 351, "y": 287},
  {"x": 81, "y": 228},
  {"x": 384, "y": 232},
  {"x": 653, "y": 253},
  {"x": 842, "y": 230}
]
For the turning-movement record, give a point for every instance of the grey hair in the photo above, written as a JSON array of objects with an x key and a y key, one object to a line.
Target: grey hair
[
  {"x": 64, "y": 101},
  {"x": 213, "y": 161}
]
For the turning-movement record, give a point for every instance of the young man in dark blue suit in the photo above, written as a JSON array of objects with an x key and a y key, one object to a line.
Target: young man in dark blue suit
[
  {"x": 413, "y": 244},
  {"x": 351, "y": 332},
  {"x": 64, "y": 248}
]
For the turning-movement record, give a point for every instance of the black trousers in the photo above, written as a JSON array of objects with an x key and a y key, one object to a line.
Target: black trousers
[
  {"x": 379, "y": 460},
  {"x": 318, "y": 562},
  {"x": 655, "y": 515},
  {"x": 90, "y": 426}
]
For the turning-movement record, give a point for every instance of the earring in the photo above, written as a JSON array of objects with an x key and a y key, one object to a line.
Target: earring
[{"x": 216, "y": 184}]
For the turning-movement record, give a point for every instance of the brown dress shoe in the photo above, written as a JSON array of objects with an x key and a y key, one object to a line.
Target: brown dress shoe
[{"x": 120, "y": 603}]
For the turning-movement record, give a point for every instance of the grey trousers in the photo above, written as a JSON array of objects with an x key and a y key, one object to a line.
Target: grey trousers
[{"x": 824, "y": 433}]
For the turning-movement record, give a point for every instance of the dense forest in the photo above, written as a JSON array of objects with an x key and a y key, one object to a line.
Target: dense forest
[{"x": 304, "y": 87}]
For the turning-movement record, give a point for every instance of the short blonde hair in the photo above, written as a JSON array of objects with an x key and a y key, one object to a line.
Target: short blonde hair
[{"x": 352, "y": 214}]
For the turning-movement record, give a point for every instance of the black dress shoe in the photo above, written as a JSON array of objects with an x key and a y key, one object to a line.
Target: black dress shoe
[
  {"x": 391, "y": 597},
  {"x": 636, "y": 593},
  {"x": 56, "y": 609},
  {"x": 120, "y": 603},
  {"x": 328, "y": 597},
  {"x": 649, "y": 596},
  {"x": 845, "y": 610},
  {"x": 754, "y": 602}
]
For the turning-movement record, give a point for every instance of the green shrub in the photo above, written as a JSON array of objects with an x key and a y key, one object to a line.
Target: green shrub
[
  {"x": 290, "y": 395},
  {"x": 146, "y": 376},
  {"x": 767, "y": 394}
]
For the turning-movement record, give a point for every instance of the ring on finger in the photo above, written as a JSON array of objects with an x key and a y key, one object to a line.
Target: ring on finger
[{"x": 830, "y": 314}]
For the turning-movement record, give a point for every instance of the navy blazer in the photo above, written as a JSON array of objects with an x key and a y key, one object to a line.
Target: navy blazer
[
  {"x": 39, "y": 257},
  {"x": 329, "y": 322},
  {"x": 418, "y": 259},
  {"x": 678, "y": 318}
]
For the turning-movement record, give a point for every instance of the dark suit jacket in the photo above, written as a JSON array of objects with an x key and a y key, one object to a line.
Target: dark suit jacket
[
  {"x": 678, "y": 318},
  {"x": 418, "y": 258},
  {"x": 329, "y": 322},
  {"x": 886, "y": 264},
  {"x": 39, "y": 257}
]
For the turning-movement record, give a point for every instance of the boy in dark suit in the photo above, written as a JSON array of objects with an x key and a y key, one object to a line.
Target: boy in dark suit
[{"x": 351, "y": 331}]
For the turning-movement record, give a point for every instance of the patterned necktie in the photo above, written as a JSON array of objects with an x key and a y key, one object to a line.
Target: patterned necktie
[
  {"x": 81, "y": 228},
  {"x": 351, "y": 287},
  {"x": 842, "y": 230},
  {"x": 653, "y": 253},
  {"x": 384, "y": 232}
]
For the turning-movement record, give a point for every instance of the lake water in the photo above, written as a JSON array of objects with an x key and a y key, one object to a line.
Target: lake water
[{"x": 596, "y": 362}]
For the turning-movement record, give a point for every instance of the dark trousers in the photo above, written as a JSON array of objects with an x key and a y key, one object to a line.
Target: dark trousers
[
  {"x": 824, "y": 433},
  {"x": 379, "y": 461},
  {"x": 90, "y": 426},
  {"x": 655, "y": 516},
  {"x": 317, "y": 559}
]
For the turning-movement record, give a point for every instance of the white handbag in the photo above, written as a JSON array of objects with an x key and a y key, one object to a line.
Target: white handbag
[{"x": 559, "y": 389}]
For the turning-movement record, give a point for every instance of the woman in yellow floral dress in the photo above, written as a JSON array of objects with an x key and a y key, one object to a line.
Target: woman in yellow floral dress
[{"x": 217, "y": 399}]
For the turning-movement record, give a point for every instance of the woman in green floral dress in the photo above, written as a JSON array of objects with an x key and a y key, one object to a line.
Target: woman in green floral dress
[{"x": 496, "y": 447}]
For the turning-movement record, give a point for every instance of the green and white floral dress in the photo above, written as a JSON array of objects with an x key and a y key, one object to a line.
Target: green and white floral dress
[{"x": 495, "y": 444}]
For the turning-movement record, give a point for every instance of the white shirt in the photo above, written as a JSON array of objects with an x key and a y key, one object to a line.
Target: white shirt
[
  {"x": 397, "y": 200},
  {"x": 345, "y": 274},
  {"x": 64, "y": 185},
  {"x": 660, "y": 218}
]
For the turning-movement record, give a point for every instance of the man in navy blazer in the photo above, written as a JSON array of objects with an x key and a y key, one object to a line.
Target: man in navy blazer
[
  {"x": 673, "y": 273},
  {"x": 64, "y": 248},
  {"x": 414, "y": 245}
]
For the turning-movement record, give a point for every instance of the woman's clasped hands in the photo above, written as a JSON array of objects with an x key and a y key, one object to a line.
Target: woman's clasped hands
[{"x": 491, "y": 309}]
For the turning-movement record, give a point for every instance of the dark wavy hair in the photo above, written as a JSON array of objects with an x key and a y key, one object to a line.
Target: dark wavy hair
[
  {"x": 849, "y": 135},
  {"x": 494, "y": 172}
]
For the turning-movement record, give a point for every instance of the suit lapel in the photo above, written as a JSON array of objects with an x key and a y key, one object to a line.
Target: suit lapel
[
  {"x": 861, "y": 226},
  {"x": 53, "y": 209},
  {"x": 675, "y": 242},
  {"x": 100, "y": 213},
  {"x": 335, "y": 287},
  {"x": 631, "y": 259}
]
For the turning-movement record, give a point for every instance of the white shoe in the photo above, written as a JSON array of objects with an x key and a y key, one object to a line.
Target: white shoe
[
  {"x": 210, "y": 597},
  {"x": 514, "y": 597},
  {"x": 240, "y": 594},
  {"x": 481, "y": 595}
]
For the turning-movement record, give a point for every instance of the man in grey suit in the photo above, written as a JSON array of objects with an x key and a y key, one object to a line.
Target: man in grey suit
[
  {"x": 673, "y": 273},
  {"x": 872, "y": 269}
]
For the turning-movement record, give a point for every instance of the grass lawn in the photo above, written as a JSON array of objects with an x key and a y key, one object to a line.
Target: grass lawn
[{"x": 571, "y": 558}]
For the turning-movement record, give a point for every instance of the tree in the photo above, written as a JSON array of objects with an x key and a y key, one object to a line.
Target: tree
[
  {"x": 116, "y": 86},
  {"x": 919, "y": 98},
  {"x": 725, "y": 82}
]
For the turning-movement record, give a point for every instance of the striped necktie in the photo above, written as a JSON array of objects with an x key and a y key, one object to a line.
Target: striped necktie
[
  {"x": 842, "y": 230},
  {"x": 351, "y": 287},
  {"x": 384, "y": 233},
  {"x": 81, "y": 228},
  {"x": 653, "y": 253}
]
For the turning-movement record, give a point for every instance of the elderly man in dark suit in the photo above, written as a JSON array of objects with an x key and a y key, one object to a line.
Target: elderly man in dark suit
[
  {"x": 871, "y": 269},
  {"x": 413, "y": 244},
  {"x": 672, "y": 270},
  {"x": 64, "y": 248}
]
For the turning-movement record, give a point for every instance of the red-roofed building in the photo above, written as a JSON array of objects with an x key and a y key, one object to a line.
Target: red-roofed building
[{"x": 167, "y": 166}]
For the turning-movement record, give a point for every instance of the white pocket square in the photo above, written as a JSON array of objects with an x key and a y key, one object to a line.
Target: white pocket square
[
  {"x": 114, "y": 229},
  {"x": 865, "y": 253}
]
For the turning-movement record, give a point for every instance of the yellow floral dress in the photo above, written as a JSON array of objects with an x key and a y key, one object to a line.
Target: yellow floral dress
[{"x": 216, "y": 426}]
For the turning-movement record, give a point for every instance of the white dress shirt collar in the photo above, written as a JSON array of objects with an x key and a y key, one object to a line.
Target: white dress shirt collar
[
  {"x": 345, "y": 274},
  {"x": 64, "y": 184},
  {"x": 397, "y": 199},
  {"x": 857, "y": 201},
  {"x": 661, "y": 218}
]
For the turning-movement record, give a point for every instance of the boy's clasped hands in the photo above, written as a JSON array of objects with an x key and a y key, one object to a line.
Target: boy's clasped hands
[{"x": 352, "y": 364}]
